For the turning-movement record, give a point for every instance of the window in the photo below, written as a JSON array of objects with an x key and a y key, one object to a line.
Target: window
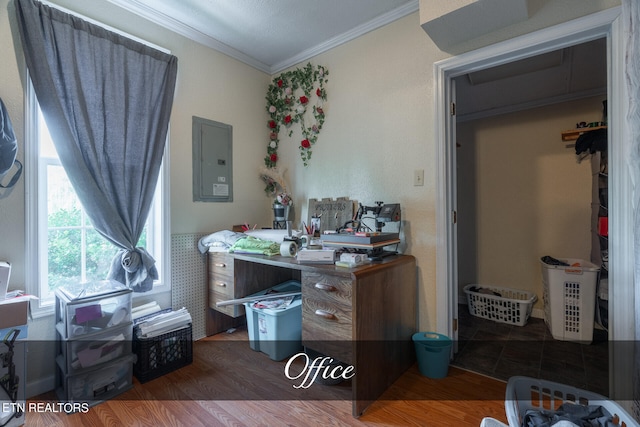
[{"x": 62, "y": 245}]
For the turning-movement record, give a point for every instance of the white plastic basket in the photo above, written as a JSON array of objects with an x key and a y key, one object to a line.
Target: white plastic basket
[
  {"x": 569, "y": 295},
  {"x": 503, "y": 305},
  {"x": 524, "y": 393},
  {"x": 492, "y": 422}
]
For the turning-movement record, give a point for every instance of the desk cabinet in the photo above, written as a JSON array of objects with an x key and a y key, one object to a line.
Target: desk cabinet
[
  {"x": 222, "y": 284},
  {"x": 363, "y": 316},
  {"x": 327, "y": 319}
]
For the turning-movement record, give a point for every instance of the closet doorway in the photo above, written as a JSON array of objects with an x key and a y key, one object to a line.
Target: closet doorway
[
  {"x": 603, "y": 26},
  {"x": 521, "y": 195}
]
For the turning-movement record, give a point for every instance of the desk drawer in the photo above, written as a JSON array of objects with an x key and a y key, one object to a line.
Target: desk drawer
[
  {"x": 326, "y": 307},
  {"x": 220, "y": 265},
  {"x": 328, "y": 288}
]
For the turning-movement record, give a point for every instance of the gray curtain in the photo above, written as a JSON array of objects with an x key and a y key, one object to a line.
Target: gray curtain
[{"x": 107, "y": 101}]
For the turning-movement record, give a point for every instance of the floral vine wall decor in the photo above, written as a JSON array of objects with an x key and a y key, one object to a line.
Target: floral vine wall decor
[{"x": 289, "y": 97}]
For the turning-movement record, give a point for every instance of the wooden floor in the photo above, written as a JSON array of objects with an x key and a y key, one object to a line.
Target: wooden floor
[{"x": 228, "y": 384}]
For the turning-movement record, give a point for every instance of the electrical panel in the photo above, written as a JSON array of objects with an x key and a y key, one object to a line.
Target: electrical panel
[{"x": 212, "y": 161}]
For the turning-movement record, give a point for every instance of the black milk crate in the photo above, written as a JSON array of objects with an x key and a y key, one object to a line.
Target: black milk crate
[{"x": 160, "y": 355}]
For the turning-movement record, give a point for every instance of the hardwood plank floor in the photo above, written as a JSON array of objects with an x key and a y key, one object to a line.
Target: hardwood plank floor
[{"x": 228, "y": 384}]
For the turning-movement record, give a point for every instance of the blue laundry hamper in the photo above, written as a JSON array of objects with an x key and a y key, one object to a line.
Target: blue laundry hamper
[{"x": 433, "y": 352}]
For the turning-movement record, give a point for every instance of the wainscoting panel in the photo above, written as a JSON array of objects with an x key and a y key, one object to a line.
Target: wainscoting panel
[{"x": 189, "y": 279}]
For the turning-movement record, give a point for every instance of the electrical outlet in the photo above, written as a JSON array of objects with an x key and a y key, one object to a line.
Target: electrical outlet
[{"x": 418, "y": 177}]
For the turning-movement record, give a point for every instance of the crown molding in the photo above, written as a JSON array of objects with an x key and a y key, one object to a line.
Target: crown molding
[{"x": 172, "y": 24}]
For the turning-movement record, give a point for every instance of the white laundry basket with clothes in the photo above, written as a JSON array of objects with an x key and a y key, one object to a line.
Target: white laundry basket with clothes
[
  {"x": 526, "y": 398},
  {"x": 569, "y": 295}
]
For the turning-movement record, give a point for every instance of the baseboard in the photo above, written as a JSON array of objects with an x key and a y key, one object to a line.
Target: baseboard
[
  {"x": 538, "y": 313},
  {"x": 43, "y": 385}
]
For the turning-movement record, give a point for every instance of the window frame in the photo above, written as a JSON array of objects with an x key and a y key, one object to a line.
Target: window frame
[{"x": 35, "y": 223}]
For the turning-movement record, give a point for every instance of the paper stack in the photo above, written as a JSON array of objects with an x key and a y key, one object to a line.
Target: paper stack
[
  {"x": 163, "y": 323},
  {"x": 145, "y": 310}
]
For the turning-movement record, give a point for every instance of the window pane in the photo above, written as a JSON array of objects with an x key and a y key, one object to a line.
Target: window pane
[
  {"x": 100, "y": 253},
  {"x": 143, "y": 237},
  {"x": 64, "y": 254},
  {"x": 63, "y": 206},
  {"x": 77, "y": 253}
]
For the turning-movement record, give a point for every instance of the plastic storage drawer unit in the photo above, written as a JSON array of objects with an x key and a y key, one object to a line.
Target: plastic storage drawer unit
[
  {"x": 97, "y": 384},
  {"x": 276, "y": 332},
  {"x": 94, "y": 349},
  {"x": 84, "y": 310}
]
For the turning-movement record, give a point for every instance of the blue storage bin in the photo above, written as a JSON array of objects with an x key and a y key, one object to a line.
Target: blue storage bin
[
  {"x": 433, "y": 352},
  {"x": 276, "y": 332}
]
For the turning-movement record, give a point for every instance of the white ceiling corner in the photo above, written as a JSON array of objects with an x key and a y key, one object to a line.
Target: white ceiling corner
[{"x": 270, "y": 35}]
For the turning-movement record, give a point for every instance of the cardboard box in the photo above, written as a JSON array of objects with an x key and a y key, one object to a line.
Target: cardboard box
[{"x": 14, "y": 312}]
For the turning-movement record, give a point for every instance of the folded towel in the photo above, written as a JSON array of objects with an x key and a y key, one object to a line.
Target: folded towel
[
  {"x": 223, "y": 238},
  {"x": 253, "y": 245}
]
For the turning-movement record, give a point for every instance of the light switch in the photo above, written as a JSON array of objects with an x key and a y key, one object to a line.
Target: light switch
[{"x": 418, "y": 177}]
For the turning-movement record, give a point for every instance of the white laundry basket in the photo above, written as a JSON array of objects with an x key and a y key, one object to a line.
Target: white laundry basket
[
  {"x": 502, "y": 305},
  {"x": 492, "y": 422},
  {"x": 569, "y": 295},
  {"x": 524, "y": 393}
]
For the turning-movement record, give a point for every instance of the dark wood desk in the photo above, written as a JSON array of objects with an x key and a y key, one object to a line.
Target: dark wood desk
[{"x": 362, "y": 316}]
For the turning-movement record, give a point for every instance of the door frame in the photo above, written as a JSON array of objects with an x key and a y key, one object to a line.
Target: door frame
[{"x": 606, "y": 24}]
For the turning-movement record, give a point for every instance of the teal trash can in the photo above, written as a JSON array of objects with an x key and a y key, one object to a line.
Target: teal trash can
[{"x": 432, "y": 351}]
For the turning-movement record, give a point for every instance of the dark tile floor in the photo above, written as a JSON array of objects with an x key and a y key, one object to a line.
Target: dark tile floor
[{"x": 500, "y": 351}]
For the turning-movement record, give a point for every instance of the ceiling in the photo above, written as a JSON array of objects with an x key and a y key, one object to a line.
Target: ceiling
[
  {"x": 271, "y": 35},
  {"x": 571, "y": 73}
]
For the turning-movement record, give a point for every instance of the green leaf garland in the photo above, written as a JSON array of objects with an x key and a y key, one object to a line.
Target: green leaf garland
[{"x": 288, "y": 98}]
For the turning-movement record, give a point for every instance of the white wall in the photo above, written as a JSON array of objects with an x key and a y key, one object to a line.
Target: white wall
[{"x": 378, "y": 130}]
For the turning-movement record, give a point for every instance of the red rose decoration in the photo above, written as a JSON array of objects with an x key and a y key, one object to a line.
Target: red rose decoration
[{"x": 289, "y": 97}]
